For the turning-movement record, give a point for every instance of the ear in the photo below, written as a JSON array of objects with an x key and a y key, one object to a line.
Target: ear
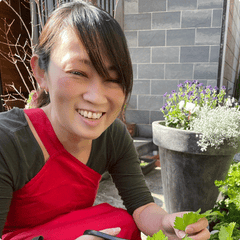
[{"x": 39, "y": 74}]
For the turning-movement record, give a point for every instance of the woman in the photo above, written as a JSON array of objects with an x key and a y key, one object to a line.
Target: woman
[{"x": 52, "y": 157}]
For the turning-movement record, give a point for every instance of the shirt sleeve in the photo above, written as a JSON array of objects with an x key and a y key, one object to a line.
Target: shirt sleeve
[
  {"x": 126, "y": 171},
  {"x": 21, "y": 158},
  {"x": 6, "y": 189}
]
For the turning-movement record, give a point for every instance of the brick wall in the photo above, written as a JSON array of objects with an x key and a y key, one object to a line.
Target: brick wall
[{"x": 170, "y": 41}]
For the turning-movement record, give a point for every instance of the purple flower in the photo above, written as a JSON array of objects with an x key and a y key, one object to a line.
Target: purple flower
[
  {"x": 183, "y": 95},
  {"x": 173, "y": 91},
  {"x": 223, "y": 87},
  {"x": 190, "y": 93},
  {"x": 200, "y": 85},
  {"x": 164, "y": 106},
  {"x": 216, "y": 88},
  {"x": 170, "y": 96},
  {"x": 196, "y": 98},
  {"x": 209, "y": 86},
  {"x": 180, "y": 85},
  {"x": 215, "y": 98},
  {"x": 195, "y": 81},
  {"x": 203, "y": 92},
  {"x": 165, "y": 94}
]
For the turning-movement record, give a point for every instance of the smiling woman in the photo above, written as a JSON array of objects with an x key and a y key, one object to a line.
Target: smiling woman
[{"x": 52, "y": 156}]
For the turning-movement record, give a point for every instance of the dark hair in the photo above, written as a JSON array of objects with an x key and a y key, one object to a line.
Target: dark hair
[{"x": 99, "y": 33}]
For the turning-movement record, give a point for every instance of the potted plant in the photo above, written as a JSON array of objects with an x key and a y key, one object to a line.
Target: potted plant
[
  {"x": 229, "y": 206},
  {"x": 197, "y": 142}
]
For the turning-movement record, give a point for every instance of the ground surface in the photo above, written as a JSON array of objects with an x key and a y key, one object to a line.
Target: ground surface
[{"x": 108, "y": 193}]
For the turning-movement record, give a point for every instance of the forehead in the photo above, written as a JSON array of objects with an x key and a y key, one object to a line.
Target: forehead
[
  {"x": 67, "y": 45},
  {"x": 70, "y": 47}
]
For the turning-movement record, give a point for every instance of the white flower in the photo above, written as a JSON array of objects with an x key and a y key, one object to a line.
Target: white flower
[
  {"x": 181, "y": 104},
  {"x": 189, "y": 106},
  {"x": 229, "y": 102},
  {"x": 195, "y": 109}
]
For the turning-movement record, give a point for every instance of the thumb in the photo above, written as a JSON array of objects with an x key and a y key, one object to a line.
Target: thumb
[
  {"x": 112, "y": 231},
  {"x": 180, "y": 234}
]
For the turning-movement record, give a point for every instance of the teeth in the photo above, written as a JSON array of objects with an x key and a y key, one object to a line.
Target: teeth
[
  {"x": 91, "y": 115},
  {"x": 94, "y": 116}
]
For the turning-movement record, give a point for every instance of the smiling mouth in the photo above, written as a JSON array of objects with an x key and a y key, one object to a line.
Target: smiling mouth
[{"x": 90, "y": 115}]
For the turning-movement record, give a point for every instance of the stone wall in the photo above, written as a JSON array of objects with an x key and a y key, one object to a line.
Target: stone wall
[{"x": 170, "y": 41}]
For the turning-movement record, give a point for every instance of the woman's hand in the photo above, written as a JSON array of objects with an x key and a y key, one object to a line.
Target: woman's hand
[
  {"x": 151, "y": 218},
  {"x": 110, "y": 231},
  {"x": 196, "y": 231}
]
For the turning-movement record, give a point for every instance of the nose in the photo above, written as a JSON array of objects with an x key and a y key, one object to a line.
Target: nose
[{"x": 96, "y": 92}]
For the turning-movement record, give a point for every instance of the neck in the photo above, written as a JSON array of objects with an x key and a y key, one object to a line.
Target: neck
[{"x": 75, "y": 145}]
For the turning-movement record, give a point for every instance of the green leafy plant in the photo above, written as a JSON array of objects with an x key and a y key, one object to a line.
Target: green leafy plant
[
  {"x": 230, "y": 187},
  {"x": 229, "y": 219},
  {"x": 181, "y": 105},
  {"x": 182, "y": 222},
  {"x": 205, "y": 110},
  {"x": 158, "y": 236}
]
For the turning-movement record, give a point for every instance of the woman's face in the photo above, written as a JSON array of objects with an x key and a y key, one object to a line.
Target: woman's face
[{"x": 83, "y": 104}]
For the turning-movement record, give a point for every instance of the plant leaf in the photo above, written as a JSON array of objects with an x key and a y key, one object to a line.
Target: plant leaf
[
  {"x": 226, "y": 232},
  {"x": 192, "y": 217},
  {"x": 187, "y": 219},
  {"x": 158, "y": 236}
]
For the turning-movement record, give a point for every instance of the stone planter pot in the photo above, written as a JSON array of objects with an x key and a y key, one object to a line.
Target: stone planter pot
[
  {"x": 148, "y": 166},
  {"x": 188, "y": 174}
]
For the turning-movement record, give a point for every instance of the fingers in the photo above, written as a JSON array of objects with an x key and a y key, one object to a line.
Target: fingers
[
  {"x": 197, "y": 227},
  {"x": 203, "y": 235},
  {"x": 110, "y": 231},
  {"x": 198, "y": 230}
]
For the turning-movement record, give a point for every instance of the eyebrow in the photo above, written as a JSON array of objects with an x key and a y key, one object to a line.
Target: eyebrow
[
  {"x": 85, "y": 61},
  {"x": 89, "y": 63}
]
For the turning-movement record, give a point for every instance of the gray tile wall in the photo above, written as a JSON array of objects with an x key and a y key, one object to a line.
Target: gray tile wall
[{"x": 170, "y": 41}]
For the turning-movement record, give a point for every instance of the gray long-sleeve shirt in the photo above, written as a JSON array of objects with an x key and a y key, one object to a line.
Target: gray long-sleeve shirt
[{"x": 21, "y": 158}]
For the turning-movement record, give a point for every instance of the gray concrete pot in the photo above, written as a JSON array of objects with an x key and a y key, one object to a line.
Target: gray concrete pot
[{"x": 188, "y": 174}]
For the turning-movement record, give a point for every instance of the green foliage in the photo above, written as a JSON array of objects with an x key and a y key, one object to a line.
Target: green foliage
[
  {"x": 225, "y": 215},
  {"x": 192, "y": 217},
  {"x": 226, "y": 232},
  {"x": 187, "y": 219},
  {"x": 182, "y": 106},
  {"x": 158, "y": 236},
  {"x": 230, "y": 187},
  {"x": 182, "y": 222},
  {"x": 229, "y": 207},
  {"x": 201, "y": 109}
]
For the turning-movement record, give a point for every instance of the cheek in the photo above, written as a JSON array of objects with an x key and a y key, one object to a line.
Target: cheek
[
  {"x": 118, "y": 98},
  {"x": 66, "y": 88}
]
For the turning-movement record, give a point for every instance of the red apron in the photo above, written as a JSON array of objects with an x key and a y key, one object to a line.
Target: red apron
[{"x": 57, "y": 202}]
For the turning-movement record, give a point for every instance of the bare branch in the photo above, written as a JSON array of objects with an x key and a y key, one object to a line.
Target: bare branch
[{"x": 18, "y": 53}]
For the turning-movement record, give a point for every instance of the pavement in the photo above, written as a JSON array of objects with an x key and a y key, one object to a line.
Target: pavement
[{"x": 108, "y": 193}]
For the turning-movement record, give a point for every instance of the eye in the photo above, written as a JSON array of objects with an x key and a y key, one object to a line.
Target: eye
[
  {"x": 114, "y": 81},
  {"x": 81, "y": 74}
]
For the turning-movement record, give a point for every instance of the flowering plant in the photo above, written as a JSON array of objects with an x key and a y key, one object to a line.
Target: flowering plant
[
  {"x": 31, "y": 99},
  {"x": 204, "y": 110}
]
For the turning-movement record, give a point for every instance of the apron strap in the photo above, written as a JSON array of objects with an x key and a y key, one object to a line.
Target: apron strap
[{"x": 44, "y": 130}]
